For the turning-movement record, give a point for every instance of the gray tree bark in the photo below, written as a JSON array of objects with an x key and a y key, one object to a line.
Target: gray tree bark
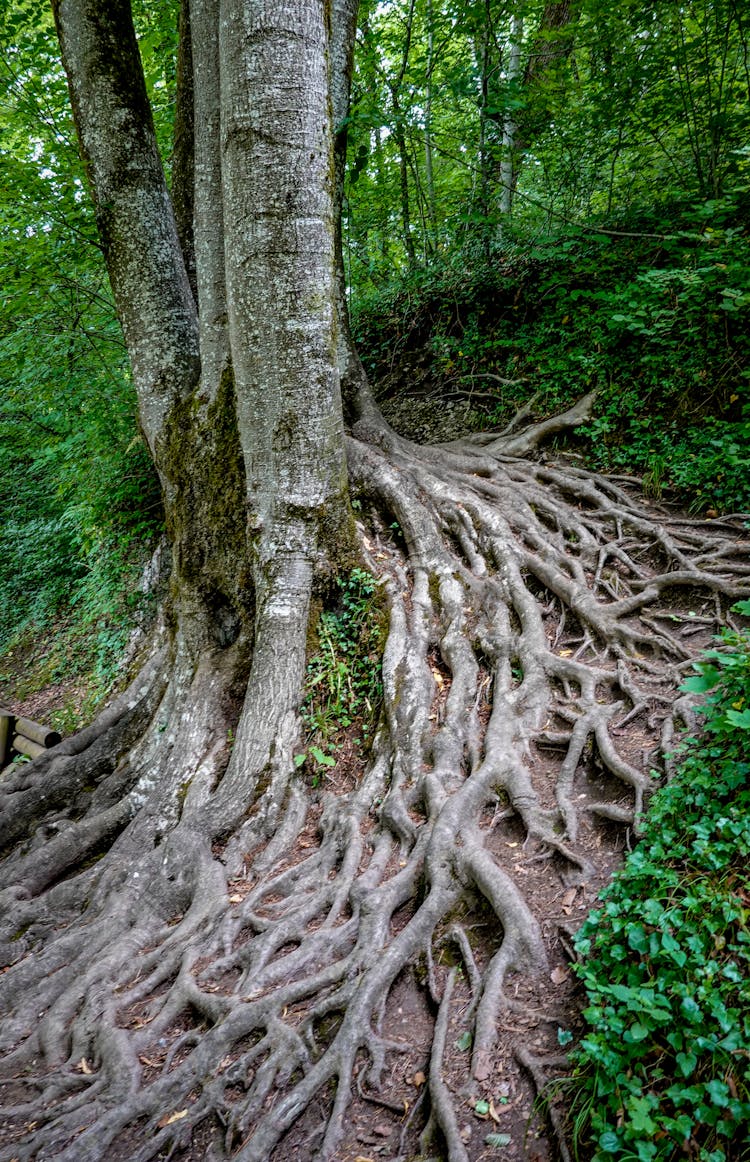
[
  {"x": 134, "y": 213},
  {"x": 240, "y": 399}
]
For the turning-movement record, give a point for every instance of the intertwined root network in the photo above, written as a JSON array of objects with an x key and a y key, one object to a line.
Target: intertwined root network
[{"x": 172, "y": 975}]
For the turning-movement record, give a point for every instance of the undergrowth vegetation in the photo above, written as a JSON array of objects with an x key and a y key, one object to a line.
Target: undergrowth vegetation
[
  {"x": 80, "y": 508},
  {"x": 343, "y": 685},
  {"x": 663, "y": 1071},
  {"x": 84, "y": 520},
  {"x": 652, "y": 311}
]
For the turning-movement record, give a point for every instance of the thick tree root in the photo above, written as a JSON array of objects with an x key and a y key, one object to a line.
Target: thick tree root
[{"x": 201, "y": 950}]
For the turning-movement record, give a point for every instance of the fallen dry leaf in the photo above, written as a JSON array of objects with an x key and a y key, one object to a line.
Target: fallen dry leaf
[
  {"x": 493, "y": 1113},
  {"x": 170, "y": 1118},
  {"x": 84, "y": 1066},
  {"x": 559, "y": 974},
  {"x": 418, "y": 1079},
  {"x": 569, "y": 897},
  {"x": 235, "y": 899}
]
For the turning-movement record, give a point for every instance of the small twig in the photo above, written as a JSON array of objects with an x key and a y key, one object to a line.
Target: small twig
[{"x": 409, "y": 1119}]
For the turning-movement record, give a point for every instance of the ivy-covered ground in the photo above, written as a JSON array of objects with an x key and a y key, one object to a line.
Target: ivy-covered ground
[{"x": 663, "y": 1070}]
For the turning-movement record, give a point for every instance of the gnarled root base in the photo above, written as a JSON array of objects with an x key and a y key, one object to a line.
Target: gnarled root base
[{"x": 212, "y": 958}]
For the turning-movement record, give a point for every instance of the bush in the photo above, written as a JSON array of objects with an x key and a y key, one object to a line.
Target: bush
[{"x": 664, "y": 1069}]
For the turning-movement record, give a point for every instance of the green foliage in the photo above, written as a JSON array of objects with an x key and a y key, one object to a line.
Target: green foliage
[
  {"x": 343, "y": 683},
  {"x": 621, "y": 107},
  {"x": 664, "y": 1067},
  {"x": 660, "y": 327},
  {"x": 625, "y": 263},
  {"x": 79, "y": 501}
]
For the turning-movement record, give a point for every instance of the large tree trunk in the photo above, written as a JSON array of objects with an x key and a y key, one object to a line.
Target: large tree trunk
[
  {"x": 240, "y": 402},
  {"x": 200, "y": 947}
]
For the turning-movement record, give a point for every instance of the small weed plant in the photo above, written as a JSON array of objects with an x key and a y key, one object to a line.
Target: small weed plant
[
  {"x": 663, "y": 1071},
  {"x": 343, "y": 683}
]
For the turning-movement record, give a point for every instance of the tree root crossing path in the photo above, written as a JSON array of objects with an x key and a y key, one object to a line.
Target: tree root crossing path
[{"x": 186, "y": 980}]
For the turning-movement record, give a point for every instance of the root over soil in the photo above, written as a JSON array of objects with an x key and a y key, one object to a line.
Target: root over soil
[{"x": 206, "y": 957}]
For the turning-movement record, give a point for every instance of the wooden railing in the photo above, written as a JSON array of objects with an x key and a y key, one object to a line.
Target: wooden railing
[{"x": 21, "y": 736}]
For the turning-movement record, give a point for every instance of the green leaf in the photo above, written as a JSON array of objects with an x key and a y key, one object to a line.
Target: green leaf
[
  {"x": 718, "y": 1091},
  {"x": 324, "y": 760},
  {"x": 464, "y": 1041},
  {"x": 739, "y": 718},
  {"x": 498, "y": 1140},
  {"x": 640, "y": 1115},
  {"x": 686, "y": 1062},
  {"x": 638, "y": 939},
  {"x": 702, "y": 682}
]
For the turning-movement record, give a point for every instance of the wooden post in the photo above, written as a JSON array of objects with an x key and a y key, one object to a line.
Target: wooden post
[
  {"x": 6, "y": 732},
  {"x": 36, "y": 733},
  {"x": 22, "y": 736},
  {"x": 26, "y": 746}
]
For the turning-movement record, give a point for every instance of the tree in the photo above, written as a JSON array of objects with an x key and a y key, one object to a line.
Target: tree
[
  {"x": 199, "y": 943},
  {"x": 76, "y": 482}
]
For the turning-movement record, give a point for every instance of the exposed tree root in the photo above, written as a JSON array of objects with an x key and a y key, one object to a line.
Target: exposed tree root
[{"x": 201, "y": 947}]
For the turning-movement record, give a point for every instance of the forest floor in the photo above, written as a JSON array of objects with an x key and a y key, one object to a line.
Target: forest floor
[
  {"x": 506, "y": 1102},
  {"x": 499, "y": 1112}
]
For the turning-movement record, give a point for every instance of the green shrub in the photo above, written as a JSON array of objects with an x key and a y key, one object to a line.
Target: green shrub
[{"x": 663, "y": 1071}]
